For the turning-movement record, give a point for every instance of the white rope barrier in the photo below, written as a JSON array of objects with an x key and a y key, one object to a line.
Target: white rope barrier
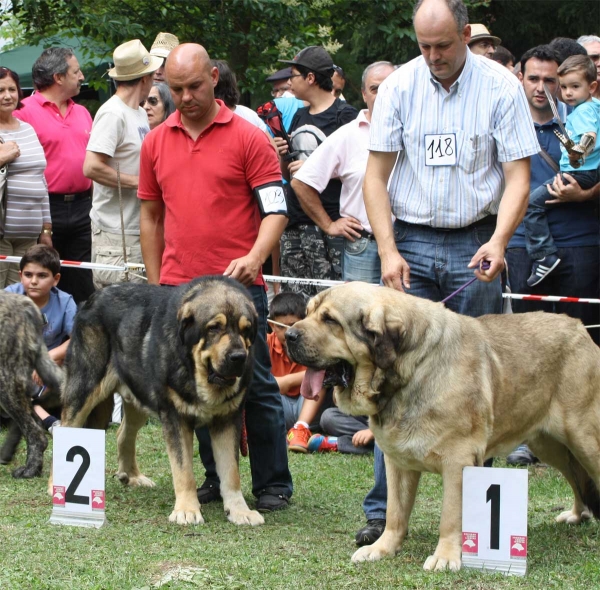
[{"x": 296, "y": 280}]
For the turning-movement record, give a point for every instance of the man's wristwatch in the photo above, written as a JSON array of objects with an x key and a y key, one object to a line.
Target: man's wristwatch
[{"x": 47, "y": 230}]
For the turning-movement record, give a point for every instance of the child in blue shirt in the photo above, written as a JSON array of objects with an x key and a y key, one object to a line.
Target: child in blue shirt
[
  {"x": 577, "y": 78},
  {"x": 40, "y": 273}
]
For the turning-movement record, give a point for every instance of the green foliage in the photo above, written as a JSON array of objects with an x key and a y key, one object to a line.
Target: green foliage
[{"x": 253, "y": 34}]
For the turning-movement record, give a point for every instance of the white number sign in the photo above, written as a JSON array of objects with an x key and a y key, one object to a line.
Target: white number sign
[
  {"x": 440, "y": 150},
  {"x": 78, "y": 462},
  {"x": 495, "y": 519}
]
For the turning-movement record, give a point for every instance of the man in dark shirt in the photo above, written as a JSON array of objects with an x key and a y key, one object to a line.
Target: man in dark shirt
[{"x": 306, "y": 251}]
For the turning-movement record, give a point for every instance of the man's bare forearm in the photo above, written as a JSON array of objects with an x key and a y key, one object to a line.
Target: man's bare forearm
[
  {"x": 310, "y": 201},
  {"x": 152, "y": 241}
]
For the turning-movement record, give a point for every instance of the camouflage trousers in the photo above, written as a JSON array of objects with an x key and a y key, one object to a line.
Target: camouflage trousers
[{"x": 308, "y": 253}]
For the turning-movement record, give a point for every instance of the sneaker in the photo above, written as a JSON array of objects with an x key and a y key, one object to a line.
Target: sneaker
[
  {"x": 54, "y": 425},
  {"x": 319, "y": 443},
  {"x": 208, "y": 492},
  {"x": 271, "y": 502},
  {"x": 297, "y": 439},
  {"x": 369, "y": 534},
  {"x": 522, "y": 456},
  {"x": 542, "y": 268}
]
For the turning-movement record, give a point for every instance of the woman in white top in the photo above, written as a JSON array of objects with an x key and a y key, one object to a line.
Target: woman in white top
[{"x": 27, "y": 207}]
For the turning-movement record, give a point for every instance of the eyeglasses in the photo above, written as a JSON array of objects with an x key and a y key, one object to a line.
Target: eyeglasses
[
  {"x": 594, "y": 57},
  {"x": 277, "y": 92},
  {"x": 151, "y": 100},
  {"x": 295, "y": 76}
]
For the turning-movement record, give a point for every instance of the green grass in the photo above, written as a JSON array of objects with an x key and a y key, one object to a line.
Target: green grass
[{"x": 307, "y": 546}]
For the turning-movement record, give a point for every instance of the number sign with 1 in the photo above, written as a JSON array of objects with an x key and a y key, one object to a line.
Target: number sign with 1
[
  {"x": 440, "y": 150},
  {"x": 495, "y": 519},
  {"x": 78, "y": 461}
]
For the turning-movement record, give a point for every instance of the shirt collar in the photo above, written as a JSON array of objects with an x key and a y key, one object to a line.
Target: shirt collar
[
  {"x": 223, "y": 116},
  {"x": 43, "y": 101},
  {"x": 361, "y": 119},
  {"x": 461, "y": 80},
  {"x": 277, "y": 346}
]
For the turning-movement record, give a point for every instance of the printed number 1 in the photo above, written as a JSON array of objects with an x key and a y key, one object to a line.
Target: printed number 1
[
  {"x": 493, "y": 496},
  {"x": 70, "y": 495},
  {"x": 440, "y": 150}
]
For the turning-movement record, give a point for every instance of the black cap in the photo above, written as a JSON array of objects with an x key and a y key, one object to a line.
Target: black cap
[
  {"x": 280, "y": 75},
  {"x": 314, "y": 58}
]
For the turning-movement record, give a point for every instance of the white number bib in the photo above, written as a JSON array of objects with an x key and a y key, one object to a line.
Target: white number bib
[{"x": 440, "y": 150}]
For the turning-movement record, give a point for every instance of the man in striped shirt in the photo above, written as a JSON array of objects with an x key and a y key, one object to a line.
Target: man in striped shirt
[{"x": 456, "y": 131}]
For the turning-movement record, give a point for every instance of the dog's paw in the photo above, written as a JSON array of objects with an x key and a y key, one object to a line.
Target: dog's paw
[
  {"x": 134, "y": 480},
  {"x": 245, "y": 516},
  {"x": 26, "y": 472},
  {"x": 439, "y": 564},
  {"x": 369, "y": 553},
  {"x": 573, "y": 517},
  {"x": 189, "y": 516}
]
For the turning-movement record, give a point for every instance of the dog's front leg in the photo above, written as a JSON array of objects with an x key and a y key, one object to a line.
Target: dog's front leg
[
  {"x": 224, "y": 439},
  {"x": 179, "y": 438},
  {"x": 449, "y": 548},
  {"x": 401, "y": 490}
]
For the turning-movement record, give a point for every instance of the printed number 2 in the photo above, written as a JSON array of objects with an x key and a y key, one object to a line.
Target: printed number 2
[
  {"x": 70, "y": 495},
  {"x": 493, "y": 496}
]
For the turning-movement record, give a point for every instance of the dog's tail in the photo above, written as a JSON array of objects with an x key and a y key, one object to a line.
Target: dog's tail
[
  {"x": 585, "y": 485},
  {"x": 50, "y": 373}
]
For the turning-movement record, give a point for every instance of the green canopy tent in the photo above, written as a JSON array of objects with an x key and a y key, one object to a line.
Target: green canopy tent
[{"x": 93, "y": 63}]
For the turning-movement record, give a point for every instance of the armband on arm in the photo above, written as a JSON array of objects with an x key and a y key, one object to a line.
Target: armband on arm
[{"x": 271, "y": 199}]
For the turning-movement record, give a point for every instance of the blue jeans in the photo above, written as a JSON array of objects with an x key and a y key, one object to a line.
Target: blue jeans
[
  {"x": 264, "y": 420},
  {"x": 361, "y": 261},
  {"x": 291, "y": 409},
  {"x": 578, "y": 275},
  {"x": 535, "y": 223},
  {"x": 438, "y": 262}
]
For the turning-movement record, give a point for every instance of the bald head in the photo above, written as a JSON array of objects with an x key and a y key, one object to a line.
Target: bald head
[
  {"x": 192, "y": 80},
  {"x": 434, "y": 10}
]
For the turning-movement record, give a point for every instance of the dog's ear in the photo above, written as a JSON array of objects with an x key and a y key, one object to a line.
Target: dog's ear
[
  {"x": 188, "y": 331},
  {"x": 381, "y": 338}
]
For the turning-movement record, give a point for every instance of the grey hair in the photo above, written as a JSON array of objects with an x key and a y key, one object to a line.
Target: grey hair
[
  {"x": 165, "y": 98},
  {"x": 456, "y": 7},
  {"x": 588, "y": 39},
  {"x": 371, "y": 67},
  {"x": 52, "y": 61}
]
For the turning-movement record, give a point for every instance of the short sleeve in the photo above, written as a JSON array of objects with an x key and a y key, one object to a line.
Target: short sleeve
[
  {"x": 148, "y": 187},
  {"x": 108, "y": 127},
  {"x": 322, "y": 165},
  {"x": 387, "y": 129},
  {"x": 262, "y": 162}
]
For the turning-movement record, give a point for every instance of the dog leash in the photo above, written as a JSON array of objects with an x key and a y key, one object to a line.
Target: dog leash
[{"x": 484, "y": 266}]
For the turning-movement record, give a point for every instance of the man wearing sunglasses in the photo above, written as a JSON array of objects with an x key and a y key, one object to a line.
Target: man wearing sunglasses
[{"x": 591, "y": 43}]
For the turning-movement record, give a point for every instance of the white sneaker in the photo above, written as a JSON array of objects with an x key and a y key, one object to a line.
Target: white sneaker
[{"x": 51, "y": 429}]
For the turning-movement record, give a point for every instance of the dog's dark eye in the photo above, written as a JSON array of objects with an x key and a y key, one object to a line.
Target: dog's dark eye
[
  {"x": 329, "y": 320},
  {"x": 214, "y": 328}
]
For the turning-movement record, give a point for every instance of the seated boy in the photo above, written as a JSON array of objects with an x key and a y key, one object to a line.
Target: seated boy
[
  {"x": 580, "y": 158},
  {"x": 40, "y": 273},
  {"x": 286, "y": 309}
]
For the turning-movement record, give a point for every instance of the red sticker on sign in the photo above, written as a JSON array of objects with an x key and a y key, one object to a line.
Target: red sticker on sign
[
  {"x": 470, "y": 543},
  {"x": 58, "y": 495},
  {"x": 518, "y": 547},
  {"x": 97, "y": 499}
]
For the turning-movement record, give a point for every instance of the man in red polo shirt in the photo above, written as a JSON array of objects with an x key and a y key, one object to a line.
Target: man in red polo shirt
[
  {"x": 212, "y": 203},
  {"x": 63, "y": 128}
]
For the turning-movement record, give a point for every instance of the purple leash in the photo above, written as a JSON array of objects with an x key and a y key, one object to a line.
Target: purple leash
[{"x": 484, "y": 266}]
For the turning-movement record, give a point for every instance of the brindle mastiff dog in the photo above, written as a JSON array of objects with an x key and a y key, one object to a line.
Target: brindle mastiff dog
[
  {"x": 184, "y": 354},
  {"x": 444, "y": 391},
  {"x": 22, "y": 350}
]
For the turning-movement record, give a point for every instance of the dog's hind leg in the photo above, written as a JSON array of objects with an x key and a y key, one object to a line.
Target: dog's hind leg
[
  {"x": 225, "y": 443},
  {"x": 401, "y": 491},
  {"x": 19, "y": 409},
  {"x": 556, "y": 454},
  {"x": 128, "y": 472},
  {"x": 11, "y": 442}
]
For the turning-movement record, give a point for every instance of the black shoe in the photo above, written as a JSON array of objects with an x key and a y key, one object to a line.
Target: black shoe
[
  {"x": 369, "y": 534},
  {"x": 209, "y": 492},
  {"x": 270, "y": 502},
  {"x": 522, "y": 456}
]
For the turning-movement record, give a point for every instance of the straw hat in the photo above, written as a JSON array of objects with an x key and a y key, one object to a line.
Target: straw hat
[
  {"x": 132, "y": 61},
  {"x": 479, "y": 32},
  {"x": 163, "y": 45}
]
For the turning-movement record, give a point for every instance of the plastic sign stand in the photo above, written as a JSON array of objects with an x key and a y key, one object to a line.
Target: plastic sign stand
[
  {"x": 78, "y": 462},
  {"x": 494, "y": 519}
]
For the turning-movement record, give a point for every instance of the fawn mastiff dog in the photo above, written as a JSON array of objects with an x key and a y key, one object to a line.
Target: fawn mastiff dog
[
  {"x": 444, "y": 391},
  {"x": 184, "y": 354}
]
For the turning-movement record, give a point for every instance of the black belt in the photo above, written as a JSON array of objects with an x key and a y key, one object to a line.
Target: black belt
[
  {"x": 488, "y": 220},
  {"x": 365, "y": 234},
  {"x": 71, "y": 197}
]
